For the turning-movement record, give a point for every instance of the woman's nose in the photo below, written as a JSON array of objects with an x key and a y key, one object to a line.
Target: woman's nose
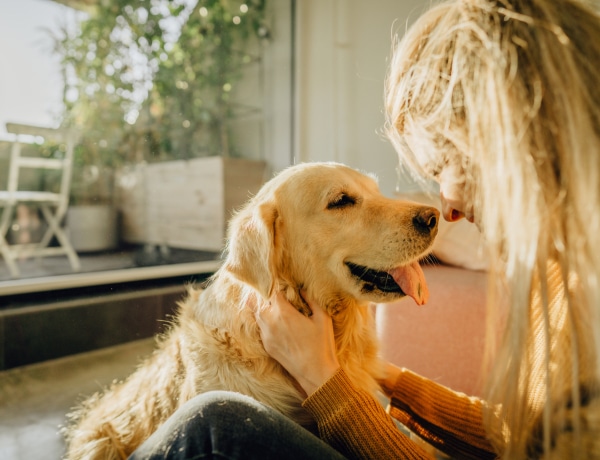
[{"x": 450, "y": 214}]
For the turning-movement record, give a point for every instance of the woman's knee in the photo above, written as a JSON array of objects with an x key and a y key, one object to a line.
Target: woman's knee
[
  {"x": 222, "y": 424},
  {"x": 220, "y": 406},
  {"x": 189, "y": 431}
]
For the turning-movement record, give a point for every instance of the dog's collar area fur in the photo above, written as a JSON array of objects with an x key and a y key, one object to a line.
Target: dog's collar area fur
[{"x": 381, "y": 280}]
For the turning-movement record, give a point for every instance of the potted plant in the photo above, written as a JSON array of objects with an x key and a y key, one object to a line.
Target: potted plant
[{"x": 92, "y": 215}]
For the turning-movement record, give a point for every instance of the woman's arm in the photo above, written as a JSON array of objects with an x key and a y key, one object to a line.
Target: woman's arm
[
  {"x": 356, "y": 424},
  {"x": 352, "y": 420},
  {"x": 450, "y": 421},
  {"x": 349, "y": 419}
]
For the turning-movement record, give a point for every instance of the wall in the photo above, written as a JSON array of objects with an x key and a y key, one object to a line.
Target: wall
[{"x": 342, "y": 48}]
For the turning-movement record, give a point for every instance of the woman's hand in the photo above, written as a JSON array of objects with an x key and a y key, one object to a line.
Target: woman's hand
[{"x": 304, "y": 346}]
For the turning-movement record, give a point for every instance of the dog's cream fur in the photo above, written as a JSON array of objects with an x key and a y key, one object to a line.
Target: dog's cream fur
[{"x": 297, "y": 233}]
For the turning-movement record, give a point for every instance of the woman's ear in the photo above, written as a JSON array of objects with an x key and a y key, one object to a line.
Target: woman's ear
[{"x": 253, "y": 247}]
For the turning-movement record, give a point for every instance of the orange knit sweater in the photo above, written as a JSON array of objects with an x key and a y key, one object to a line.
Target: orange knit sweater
[{"x": 357, "y": 425}]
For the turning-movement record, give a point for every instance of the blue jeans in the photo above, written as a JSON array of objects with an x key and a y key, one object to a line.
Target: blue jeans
[{"x": 226, "y": 425}]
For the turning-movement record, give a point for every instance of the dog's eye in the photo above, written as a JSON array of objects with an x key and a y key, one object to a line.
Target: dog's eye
[{"x": 341, "y": 201}]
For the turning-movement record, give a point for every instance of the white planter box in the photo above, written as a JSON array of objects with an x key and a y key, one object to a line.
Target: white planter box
[{"x": 187, "y": 203}]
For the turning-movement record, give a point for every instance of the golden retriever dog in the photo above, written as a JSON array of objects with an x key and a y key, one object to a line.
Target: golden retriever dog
[{"x": 321, "y": 227}]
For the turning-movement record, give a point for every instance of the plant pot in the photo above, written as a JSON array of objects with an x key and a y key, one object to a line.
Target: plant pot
[{"x": 92, "y": 228}]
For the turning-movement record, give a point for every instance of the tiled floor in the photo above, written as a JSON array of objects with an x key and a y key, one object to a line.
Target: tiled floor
[{"x": 35, "y": 399}]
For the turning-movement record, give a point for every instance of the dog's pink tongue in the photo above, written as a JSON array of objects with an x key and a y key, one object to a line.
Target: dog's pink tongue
[{"x": 411, "y": 280}]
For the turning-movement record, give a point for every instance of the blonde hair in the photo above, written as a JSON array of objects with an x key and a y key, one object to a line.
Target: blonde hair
[{"x": 512, "y": 89}]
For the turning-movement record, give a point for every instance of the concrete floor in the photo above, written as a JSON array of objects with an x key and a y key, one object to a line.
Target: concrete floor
[{"x": 34, "y": 400}]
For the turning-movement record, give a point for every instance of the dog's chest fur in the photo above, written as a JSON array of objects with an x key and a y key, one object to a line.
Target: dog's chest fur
[{"x": 219, "y": 338}]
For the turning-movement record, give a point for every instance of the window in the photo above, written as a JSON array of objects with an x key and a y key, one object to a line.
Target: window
[{"x": 172, "y": 101}]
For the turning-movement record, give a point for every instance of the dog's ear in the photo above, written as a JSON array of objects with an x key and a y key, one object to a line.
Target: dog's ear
[{"x": 253, "y": 247}]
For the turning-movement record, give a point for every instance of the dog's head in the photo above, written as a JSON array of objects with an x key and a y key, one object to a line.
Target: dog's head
[{"x": 327, "y": 228}]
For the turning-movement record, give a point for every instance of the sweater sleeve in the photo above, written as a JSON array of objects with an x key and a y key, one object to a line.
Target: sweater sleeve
[
  {"x": 452, "y": 422},
  {"x": 356, "y": 424}
]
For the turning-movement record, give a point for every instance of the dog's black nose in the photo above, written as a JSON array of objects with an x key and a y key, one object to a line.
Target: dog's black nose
[{"x": 426, "y": 219}]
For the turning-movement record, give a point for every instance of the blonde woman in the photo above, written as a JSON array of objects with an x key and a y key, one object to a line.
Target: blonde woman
[{"x": 499, "y": 102}]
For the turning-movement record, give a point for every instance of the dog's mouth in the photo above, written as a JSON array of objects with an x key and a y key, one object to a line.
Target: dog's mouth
[
  {"x": 381, "y": 280},
  {"x": 405, "y": 280}
]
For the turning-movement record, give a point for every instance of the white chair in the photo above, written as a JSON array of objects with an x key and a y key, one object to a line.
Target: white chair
[{"x": 53, "y": 204}]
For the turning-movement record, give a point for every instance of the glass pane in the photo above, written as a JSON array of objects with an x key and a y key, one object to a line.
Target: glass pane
[{"x": 164, "y": 103}]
